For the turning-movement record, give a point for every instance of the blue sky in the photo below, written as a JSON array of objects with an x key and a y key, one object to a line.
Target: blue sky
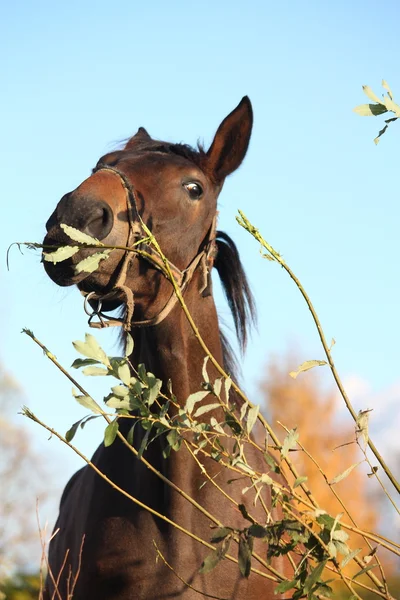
[{"x": 79, "y": 77}]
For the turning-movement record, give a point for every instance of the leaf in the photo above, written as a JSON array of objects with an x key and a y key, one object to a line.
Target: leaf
[
  {"x": 60, "y": 254},
  {"x": 227, "y": 387},
  {"x": 87, "y": 402},
  {"x": 306, "y": 366},
  {"x": 364, "y": 570},
  {"x": 124, "y": 373},
  {"x": 314, "y": 576},
  {"x": 370, "y": 110},
  {"x": 386, "y": 86},
  {"x": 83, "y": 362},
  {"x": 174, "y": 439},
  {"x": 91, "y": 263},
  {"x": 204, "y": 409},
  {"x": 339, "y": 535},
  {"x": 245, "y": 514},
  {"x": 244, "y": 557},
  {"x": 119, "y": 403},
  {"x": 91, "y": 349},
  {"x": 210, "y": 562},
  {"x": 220, "y": 534},
  {"x": 69, "y": 436},
  {"x": 215, "y": 425},
  {"x": 257, "y": 531},
  {"x": 332, "y": 550},
  {"x": 289, "y": 442},
  {"x": 300, "y": 480},
  {"x": 362, "y": 423},
  {"x": 153, "y": 389},
  {"x": 284, "y": 586},
  {"x": 204, "y": 370},
  {"x": 349, "y": 557},
  {"x": 120, "y": 391},
  {"x": 193, "y": 399},
  {"x": 252, "y": 418},
  {"x": 129, "y": 345},
  {"x": 344, "y": 474},
  {"x": 79, "y": 236},
  {"x": 95, "y": 371},
  {"x": 110, "y": 433},
  {"x": 368, "y": 92},
  {"x": 217, "y": 387},
  {"x": 143, "y": 445}
]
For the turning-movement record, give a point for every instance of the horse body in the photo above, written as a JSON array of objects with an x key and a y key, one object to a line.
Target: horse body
[{"x": 105, "y": 539}]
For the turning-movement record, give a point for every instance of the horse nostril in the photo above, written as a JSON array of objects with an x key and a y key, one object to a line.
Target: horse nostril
[{"x": 100, "y": 221}]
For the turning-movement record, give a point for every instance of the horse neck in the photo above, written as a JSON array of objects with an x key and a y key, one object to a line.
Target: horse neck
[{"x": 170, "y": 349}]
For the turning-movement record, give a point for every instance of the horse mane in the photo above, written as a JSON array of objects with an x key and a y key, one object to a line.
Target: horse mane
[{"x": 236, "y": 287}]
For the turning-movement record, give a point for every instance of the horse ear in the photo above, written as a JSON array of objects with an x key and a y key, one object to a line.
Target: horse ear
[
  {"x": 231, "y": 141},
  {"x": 140, "y": 136}
]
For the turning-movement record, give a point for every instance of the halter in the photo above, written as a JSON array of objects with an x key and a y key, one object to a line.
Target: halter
[{"x": 204, "y": 259}]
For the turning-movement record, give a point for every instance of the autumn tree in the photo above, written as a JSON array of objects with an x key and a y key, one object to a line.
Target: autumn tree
[{"x": 303, "y": 403}]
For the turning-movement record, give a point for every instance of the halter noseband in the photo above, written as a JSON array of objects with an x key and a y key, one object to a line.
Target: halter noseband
[{"x": 204, "y": 258}]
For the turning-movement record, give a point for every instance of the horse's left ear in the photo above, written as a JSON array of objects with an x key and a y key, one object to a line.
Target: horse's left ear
[
  {"x": 139, "y": 136},
  {"x": 231, "y": 141}
]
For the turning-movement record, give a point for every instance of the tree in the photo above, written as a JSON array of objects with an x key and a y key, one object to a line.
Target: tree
[{"x": 23, "y": 480}]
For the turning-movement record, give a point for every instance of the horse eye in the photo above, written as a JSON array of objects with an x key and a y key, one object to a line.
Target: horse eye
[{"x": 194, "y": 190}]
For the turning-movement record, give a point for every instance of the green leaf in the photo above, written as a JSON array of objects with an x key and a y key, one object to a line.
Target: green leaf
[
  {"x": 344, "y": 474},
  {"x": 245, "y": 514},
  {"x": 110, "y": 433},
  {"x": 215, "y": 425},
  {"x": 83, "y": 362},
  {"x": 91, "y": 349},
  {"x": 252, "y": 416},
  {"x": 210, "y": 562},
  {"x": 284, "y": 586},
  {"x": 78, "y": 236},
  {"x": 154, "y": 388},
  {"x": 217, "y": 387},
  {"x": 364, "y": 570},
  {"x": 370, "y": 110},
  {"x": 314, "y": 576},
  {"x": 174, "y": 439},
  {"x": 257, "y": 531},
  {"x": 289, "y": 442},
  {"x": 129, "y": 345},
  {"x": 69, "y": 436},
  {"x": 204, "y": 409},
  {"x": 119, "y": 403},
  {"x": 332, "y": 550},
  {"x": 91, "y": 263},
  {"x": 244, "y": 556},
  {"x": 87, "y": 402},
  {"x": 193, "y": 399},
  {"x": 124, "y": 373},
  {"x": 340, "y": 535},
  {"x": 120, "y": 390},
  {"x": 299, "y": 481},
  {"x": 368, "y": 92},
  {"x": 143, "y": 445},
  {"x": 220, "y": 534},
  {"x": 60, "y": 254},
  {"x": 349, "y": 557},
  {"x": 95, "y": 371},
  {"x": 306, "y": 366}
]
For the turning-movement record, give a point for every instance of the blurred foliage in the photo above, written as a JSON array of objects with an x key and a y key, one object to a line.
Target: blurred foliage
[{"x": 23, "y": 586}]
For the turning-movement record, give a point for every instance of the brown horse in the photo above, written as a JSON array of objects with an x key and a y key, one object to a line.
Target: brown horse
[{"x": 173, "y": 189}]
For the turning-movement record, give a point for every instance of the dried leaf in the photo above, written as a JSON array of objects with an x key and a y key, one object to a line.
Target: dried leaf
[
  {"x": 349, "y": 557},
  {"x": 362, "y": 423},
  {"x": 370, "y": 110},
  {"x": 344, "y": 474},
  {"x": 289, "y": 442},
  {"x": 204, "y": 409},
  {"x": 386, "y": 86},
  {"x": 244, "y": 556},
  {"x": 210, "y": 562},
  {"x": 368, "y": 92},
  {"x": 306, "y": 366}
]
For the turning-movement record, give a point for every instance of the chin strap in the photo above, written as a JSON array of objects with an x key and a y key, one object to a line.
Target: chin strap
[{"x": 204, "y": 259}]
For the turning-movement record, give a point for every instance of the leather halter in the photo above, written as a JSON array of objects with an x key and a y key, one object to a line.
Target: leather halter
[{"x": 204, "y": 259}]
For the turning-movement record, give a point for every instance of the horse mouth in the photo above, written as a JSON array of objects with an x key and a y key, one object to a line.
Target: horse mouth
[{"x": 64, "y": 273}]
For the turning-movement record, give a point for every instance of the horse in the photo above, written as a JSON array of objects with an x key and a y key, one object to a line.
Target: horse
[{"x": 172, "y": 189}]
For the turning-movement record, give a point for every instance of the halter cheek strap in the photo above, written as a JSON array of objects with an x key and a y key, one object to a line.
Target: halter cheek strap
[{"x": 204, "y": 259}]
